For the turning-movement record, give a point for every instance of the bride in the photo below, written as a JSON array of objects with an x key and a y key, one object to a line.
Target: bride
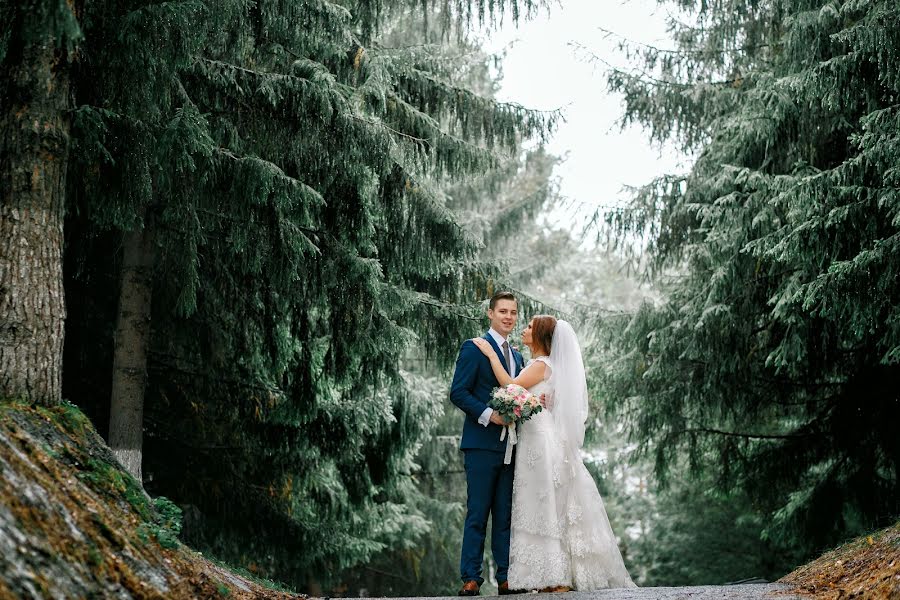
[{"x": 561, "y": 537}]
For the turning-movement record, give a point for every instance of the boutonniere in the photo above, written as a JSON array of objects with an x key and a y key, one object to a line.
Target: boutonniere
[{"x": 516, "y": 348}]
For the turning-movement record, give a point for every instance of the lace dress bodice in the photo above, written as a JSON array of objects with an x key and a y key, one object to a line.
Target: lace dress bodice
[{"x": 542, "y": 421}]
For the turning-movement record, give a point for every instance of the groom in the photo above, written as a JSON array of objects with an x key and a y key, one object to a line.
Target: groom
[{"x": 489, "y": 482}]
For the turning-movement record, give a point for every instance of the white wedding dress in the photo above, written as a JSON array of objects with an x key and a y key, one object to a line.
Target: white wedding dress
[{"x": 561, "y": 534}]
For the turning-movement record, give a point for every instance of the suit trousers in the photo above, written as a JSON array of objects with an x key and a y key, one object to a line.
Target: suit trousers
[{"x": 489, "y": 485}]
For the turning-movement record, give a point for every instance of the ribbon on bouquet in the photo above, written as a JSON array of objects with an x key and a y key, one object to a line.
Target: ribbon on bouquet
[{"x": 511, "y": 441}]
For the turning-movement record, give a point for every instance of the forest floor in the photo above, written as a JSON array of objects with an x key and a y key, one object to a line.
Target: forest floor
[{"x": 867, "y": 567}]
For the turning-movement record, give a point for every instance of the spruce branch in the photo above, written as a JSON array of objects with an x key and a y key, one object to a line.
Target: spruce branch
[
  {"x": 279, "y": 173},
  {"x": 646, "y": 78},
  {"x": 383, "y": 125},
  {"x": 742, "y": 435},
  {"x": 446, "y": 307},
  {"x": 681, "y": 52},
  {"x": 551, "y": 115}
]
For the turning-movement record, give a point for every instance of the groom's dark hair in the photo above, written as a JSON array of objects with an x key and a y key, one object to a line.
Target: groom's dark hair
[{"x": 502, "y": 296}]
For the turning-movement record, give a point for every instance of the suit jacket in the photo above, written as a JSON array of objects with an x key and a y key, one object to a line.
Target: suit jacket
[{"x": 473, "y": 382}]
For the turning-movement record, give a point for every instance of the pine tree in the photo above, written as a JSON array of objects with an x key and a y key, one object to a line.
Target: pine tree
[
  {"x": 773, "y": 360},
  {"x": 36, "y": 47},
  {"x": 287, "y": 168}
]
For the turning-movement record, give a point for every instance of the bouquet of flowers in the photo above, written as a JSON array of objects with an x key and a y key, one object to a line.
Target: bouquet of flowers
[{"x": 514, "y": 403}]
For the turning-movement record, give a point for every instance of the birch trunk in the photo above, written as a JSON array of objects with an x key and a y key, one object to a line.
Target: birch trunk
[{"x": 132, "y": 337}]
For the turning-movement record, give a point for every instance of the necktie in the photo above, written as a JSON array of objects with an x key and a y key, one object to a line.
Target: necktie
[{"x": 508, "y": 357}]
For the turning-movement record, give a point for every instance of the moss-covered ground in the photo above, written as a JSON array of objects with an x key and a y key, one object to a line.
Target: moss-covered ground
[{"x": 74, "y": 524}]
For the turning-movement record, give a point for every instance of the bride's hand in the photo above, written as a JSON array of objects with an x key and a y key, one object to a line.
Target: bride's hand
[{"x": 484, "y": 346}]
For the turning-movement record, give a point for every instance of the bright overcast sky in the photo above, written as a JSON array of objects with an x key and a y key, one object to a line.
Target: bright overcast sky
[{"x": 542, "y": 70}]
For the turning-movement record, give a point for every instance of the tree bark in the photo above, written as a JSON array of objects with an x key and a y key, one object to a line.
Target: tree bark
[
  {"x": 34, "y": 145},
  {"x": 132, "y": 338}
]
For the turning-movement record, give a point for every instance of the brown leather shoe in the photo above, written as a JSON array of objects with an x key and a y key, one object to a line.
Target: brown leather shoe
[
  {"x": 469, "y": 588},
  {"x": 503, "y": 589}
]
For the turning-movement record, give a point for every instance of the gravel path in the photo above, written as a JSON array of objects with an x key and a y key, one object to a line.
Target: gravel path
[{"x": 750, "y": 591}]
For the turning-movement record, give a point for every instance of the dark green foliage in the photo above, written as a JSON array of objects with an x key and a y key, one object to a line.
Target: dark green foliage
[
  {"x": 295, "y": 178},
  {"x": 773, "y": 363},
  {"x": 35, "y": 21},
  {"x": 166, "y": 522},
  {"x": 446, "y": 15},
  {"x": 429, "y": 564},
  {"x": 691, "y": 533}
]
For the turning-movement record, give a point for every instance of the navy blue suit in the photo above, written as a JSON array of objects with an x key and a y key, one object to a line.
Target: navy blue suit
[{"x": 489, "y": 482}]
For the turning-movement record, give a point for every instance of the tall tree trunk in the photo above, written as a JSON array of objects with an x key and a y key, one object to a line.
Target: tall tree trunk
[
  {"x": 126, "y": 421},
  {"x": 34, "y": 145}
]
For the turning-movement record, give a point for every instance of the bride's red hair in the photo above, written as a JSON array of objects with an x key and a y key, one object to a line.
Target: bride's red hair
[{"x": 542, "y": 327}]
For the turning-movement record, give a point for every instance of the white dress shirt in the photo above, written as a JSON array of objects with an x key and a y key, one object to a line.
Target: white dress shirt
[{"x": 485, "y": 417}]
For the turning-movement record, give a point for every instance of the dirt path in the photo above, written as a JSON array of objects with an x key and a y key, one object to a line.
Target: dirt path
[{"x": 756, "y": 591}]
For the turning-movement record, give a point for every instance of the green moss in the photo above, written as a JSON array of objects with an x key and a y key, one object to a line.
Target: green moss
[
  {"x": 72, "y": 419},
  {"x": 66, "y": 416},
  {"x": 52, "y": 453},
  {"x": 111, "y": 479},
  {"x": 223, "y": 589},
  {"x": 12, "y": 404},
  {"x": 144, "y": 534},
  {"x": 95, "y": 557},
  {"x": 266, "y": 583},
  {"x": 136, "y": 496}
]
